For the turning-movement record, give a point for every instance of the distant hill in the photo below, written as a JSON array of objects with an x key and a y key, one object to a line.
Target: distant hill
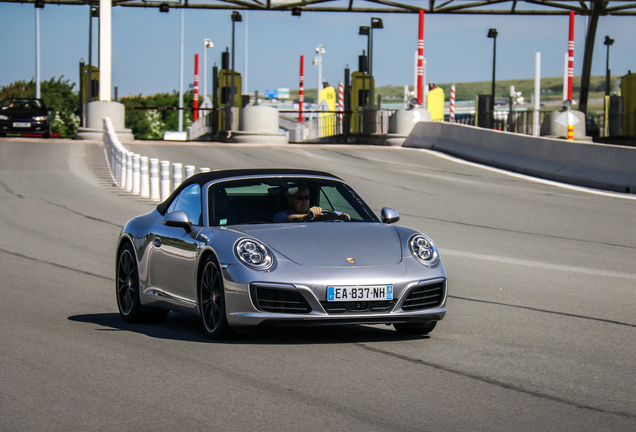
[{"x": 551, "y": 89}]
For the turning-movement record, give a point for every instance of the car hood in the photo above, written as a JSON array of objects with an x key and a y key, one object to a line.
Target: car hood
[{"x": 333, "y": 244}]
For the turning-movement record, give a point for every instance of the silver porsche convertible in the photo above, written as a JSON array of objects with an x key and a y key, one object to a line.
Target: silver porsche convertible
[{"x": 273, "y": 247}]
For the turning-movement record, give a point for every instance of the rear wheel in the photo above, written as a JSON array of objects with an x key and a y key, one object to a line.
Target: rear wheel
[
  {"x": 127, "y": 290},
  {"x": 415, "y": 328},
  {"x": 212, "y": 301}
]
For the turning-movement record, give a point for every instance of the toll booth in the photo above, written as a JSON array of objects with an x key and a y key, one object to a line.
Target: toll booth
[
  {"x": 94, "y": 84},
  {"x": 362, "y": 91},
  {"x": 628, "y": 92},
  {"x": 223, "y": 96},
  {"x": 613, "y": 116},
  {"x": 435, "y": 104},
  {"x": 328, "y": 120},
  {"x": 483, "y": 113}
]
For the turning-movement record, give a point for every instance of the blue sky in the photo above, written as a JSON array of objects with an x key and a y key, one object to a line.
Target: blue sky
[{"x": 146, "y": 46}]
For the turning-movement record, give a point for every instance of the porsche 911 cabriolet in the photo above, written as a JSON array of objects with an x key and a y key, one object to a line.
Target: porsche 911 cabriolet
[{"x": 273, "y": 247}]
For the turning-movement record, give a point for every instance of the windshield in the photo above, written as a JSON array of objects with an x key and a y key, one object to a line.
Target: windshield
[
  {"x": 260, "y": 200},
  {"x": 15, "y": 103}
]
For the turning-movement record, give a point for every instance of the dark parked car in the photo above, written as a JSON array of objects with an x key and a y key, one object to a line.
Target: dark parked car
[{"x": 24, "y": 116}]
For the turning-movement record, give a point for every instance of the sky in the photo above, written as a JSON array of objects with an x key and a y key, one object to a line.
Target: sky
[{"x": 145, "y": 46}]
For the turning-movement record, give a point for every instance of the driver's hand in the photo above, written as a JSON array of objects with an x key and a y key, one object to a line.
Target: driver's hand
[{"x": 313, "y": 212}]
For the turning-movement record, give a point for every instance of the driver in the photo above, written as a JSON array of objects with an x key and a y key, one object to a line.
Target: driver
[{"x": 298, "y": 209}]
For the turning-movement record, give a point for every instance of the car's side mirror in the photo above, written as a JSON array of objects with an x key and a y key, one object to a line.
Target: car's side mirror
[
  {"x": 178, "y": 219},
  {"x": 389, "y": 215}
]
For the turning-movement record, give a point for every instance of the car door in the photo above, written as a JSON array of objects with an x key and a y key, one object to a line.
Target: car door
[{"x": 175, "y": 251}]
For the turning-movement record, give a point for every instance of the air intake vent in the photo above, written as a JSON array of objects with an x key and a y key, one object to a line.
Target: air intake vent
[
  {"x": 425, "y": 296},
  {"x": 279, "y": 300}
]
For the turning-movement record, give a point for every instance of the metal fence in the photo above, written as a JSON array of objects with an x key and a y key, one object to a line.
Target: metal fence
[{"x": 328, "y": 123}]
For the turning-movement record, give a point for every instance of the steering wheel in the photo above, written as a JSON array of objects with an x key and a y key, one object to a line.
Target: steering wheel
[{"x": 330, "y": 215}]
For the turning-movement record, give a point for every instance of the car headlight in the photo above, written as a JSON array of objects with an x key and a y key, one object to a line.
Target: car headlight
[
  {"x": 40, "y": 118},
  {"x": 3, "y": 117},
  {"x": 423, "y": 249},
  {"x": 253, "y": 254}
]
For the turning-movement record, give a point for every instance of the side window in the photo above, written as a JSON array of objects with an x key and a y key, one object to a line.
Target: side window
[{"x": 189, "y": 201}]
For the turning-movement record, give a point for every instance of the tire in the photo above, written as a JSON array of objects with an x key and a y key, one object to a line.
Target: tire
[
  {"x": 211, "y": 301},
  {"x": 415, "y": 329},
  {"x": 127, "y": 290}
]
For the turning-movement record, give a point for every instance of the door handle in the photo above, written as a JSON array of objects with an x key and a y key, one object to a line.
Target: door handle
[{"x": 156, "y": 242}]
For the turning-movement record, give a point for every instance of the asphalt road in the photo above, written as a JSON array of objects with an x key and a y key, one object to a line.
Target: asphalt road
[{"x": 540, "y": 333}]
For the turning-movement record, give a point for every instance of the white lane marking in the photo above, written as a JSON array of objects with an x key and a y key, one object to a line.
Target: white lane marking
[
  {"x": 538, "y": 264},
  {"x": 530, "y": 178}
]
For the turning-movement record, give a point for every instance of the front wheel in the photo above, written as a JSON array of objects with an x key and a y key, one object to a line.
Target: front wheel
[
  {"x": 415, "y": 328},
  {"x": 212, "y": 301}
]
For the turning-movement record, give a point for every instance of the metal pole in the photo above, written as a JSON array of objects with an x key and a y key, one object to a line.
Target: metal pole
[
  {"x": 232, "y": 81},
  {"x": 492, "y": 92},
  {"x": 205, "y": 69},
  {"x": 370, "y": 40},
  {"x": 537, "y": 95},
  {"x": 81, "y": 92},
  {"x": 196, "y": 86},
  {"x": 319, "y": 73},
  {"x": 245, "y": 72},
  {"x": 571, "y": 55},
  {"x": 37, "y": 52},
  {"x": 105, "y": 50},
  {"x": 565, "y": 77},
  {"x": 181, "y": 72},
  {"x": 301, "y": 91},
  {"x": 420, "y": 58},
  {"x": 607, "y": 73},
  {"x": 570, "y": 75},
  {"x": 90, "y": 54},
  {"x": 452, "y": 104}
]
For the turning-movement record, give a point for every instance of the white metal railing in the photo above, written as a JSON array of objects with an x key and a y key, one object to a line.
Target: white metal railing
[{"x": 142, "y": 176}]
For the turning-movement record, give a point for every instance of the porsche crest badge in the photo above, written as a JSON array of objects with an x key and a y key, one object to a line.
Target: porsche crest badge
[{"x": 351, "y": 260}]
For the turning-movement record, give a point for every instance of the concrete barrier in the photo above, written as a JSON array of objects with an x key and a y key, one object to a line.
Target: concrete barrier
[
  {"x": 599, "y": 166},
  {"x": 165, "y": 180},
  {"x": 155, "y": 195}
]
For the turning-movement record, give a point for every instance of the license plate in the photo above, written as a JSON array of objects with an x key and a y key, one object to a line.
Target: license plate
[
  {"x": 360, "y": 293},
  {"x": 24, "y": 125}
]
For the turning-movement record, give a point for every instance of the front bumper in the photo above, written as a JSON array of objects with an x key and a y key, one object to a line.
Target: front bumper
[
  {"x": 419, "y": 295},
  {"x": 29, "y": 126}
]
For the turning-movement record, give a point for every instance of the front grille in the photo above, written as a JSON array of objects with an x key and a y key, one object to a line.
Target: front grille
[
  {"x": 279, "y": 300},
  {"x": 425, "y": 296},
  {"x": 358, "y": 307}
]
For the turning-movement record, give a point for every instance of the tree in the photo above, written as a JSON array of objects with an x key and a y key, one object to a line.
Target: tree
[
  {"x": 58, "y": 95},
  {"x": 151, "y": 124}
]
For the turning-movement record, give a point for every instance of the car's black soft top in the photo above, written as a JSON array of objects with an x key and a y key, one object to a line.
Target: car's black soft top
[{"x": 205, "y": 177}]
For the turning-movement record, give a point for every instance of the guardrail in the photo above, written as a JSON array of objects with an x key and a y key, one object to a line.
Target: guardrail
[{"x": 142, "y": 176}]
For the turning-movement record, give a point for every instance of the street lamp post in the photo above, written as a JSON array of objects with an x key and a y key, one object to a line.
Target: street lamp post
[
  {"x": 365, "y": 31},
  {"x": 229, "y": 115},
  {"x": 609, "y": 42},
  {"x": 492, "y": 33},
  {"x": 368, "y": 31},
  {"x": 320, "y": 50},
  {"x": 207, "y": 43},
  {"x": 375, "y": 23},
  {"x": 39, "y": 4}
]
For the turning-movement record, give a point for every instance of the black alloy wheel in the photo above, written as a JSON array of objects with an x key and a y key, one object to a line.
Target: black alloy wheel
[
  {"x": 212, "y": 301},
  {"x": 127, "y": 287}
]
